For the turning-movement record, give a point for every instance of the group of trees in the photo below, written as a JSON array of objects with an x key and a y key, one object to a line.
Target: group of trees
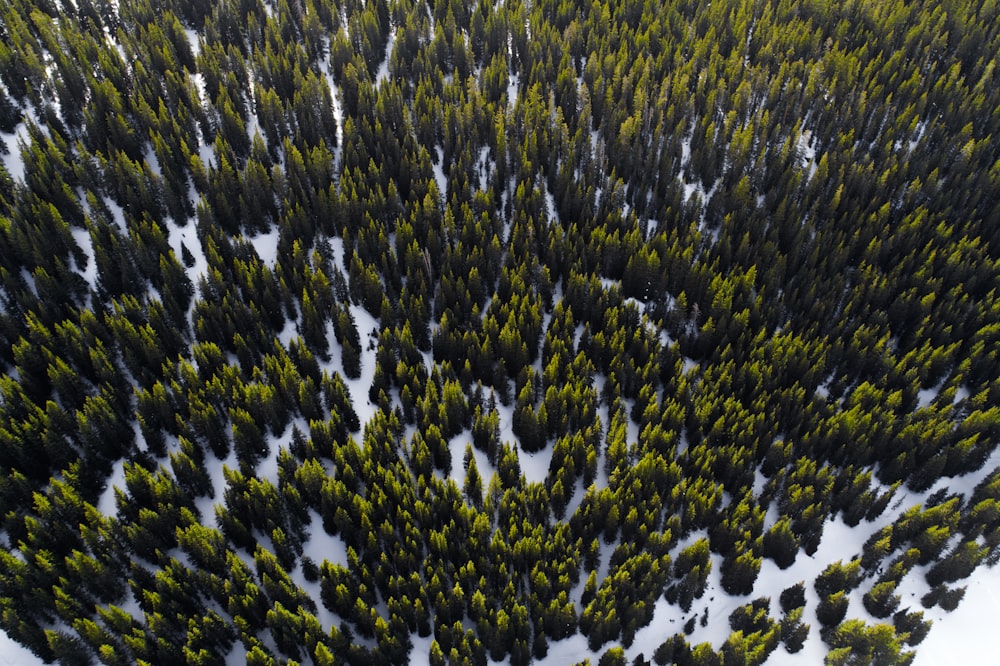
[{"x": 705, "y": 259}]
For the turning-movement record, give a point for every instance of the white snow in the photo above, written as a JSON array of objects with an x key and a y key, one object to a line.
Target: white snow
[
  {"x": 439, "y": 175},
  {"x": 117, "y": 214},
  {"x": 968, "y": 634},
  {"x": 206, "y": 151},
  {"x": 192, "y": 37},
  {"x": 320, "y": 547},
  {"x": 338, "y": 113},
  {"x": 152, "y": 161},
  {"x": 15, "y": 654},
  {"x": 690, "y": 189},
  {"x": 267, "y": 467},
  {"x": 457, "y": 448},
  {"x": 512, "y": 85},
  {"x": 485, "y": 167},
  {"x": 368, "y": 331},
  {"x": 237, "y": 655},
  {"x": 506, "y": 416},
  {"x": 214, "y": 468},
  {"x": 106, "y": 503},
  {"x": 685, "y": 150},
  {"x": 550, "y": 204},
  {"x": 337, "y": 246},
  {"x": 266, "y": 246},
  {"x": 918, "y": 135},
  {"x": 535, "y": 466},
  {"x": 12, "y": 161},
  {"x": 89, "y": 269},
  {"x": 383, "y": 69},
  {"x": 806, "y": 149},
  {"x": 289, "y": 332},
  {"x": 421, "y": 650},
  {"x": 188, "y": 237},
  {"x": 839, "y": 542},
  {"x": 926, "y": 396},
  {"x": 570, "y": 650}
]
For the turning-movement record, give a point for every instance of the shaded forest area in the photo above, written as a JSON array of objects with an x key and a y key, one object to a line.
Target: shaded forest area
[{"x": 728, "y": 269}]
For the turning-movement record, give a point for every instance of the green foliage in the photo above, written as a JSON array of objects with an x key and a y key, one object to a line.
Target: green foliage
[
  {"x": 698, "y": 262},
  {"x": 793, "y": 597},
  {"x": 911, "y": 627},
  {"x": 854, "y": 642},
  {"x": 837, "y": 577},
  {"x": 793, "y": 631},
  {"x": 739, "y": 571},
  {"x": 832, "y": 608}
]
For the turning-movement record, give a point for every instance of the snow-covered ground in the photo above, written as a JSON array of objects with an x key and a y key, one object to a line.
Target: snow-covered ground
[
  {"x": 14, "y": 654},
  {"x": 89, "y": 270},
  {"x": 106, "y": 504},
  {"x": 440, "y": 179},
  {"x": 968, "y": 634},
  {"x": 266, "y": 246},
  {"x": 187, "y": 237},
  {"x": 382, "y": 74},
  {"x": 12, "y": 159}
]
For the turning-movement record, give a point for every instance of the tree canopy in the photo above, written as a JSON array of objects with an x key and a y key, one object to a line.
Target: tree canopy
[{"x": 328, "y": 329}]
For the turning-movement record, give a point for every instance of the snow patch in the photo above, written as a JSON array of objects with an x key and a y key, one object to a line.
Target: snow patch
[
  {"x": 550, "y": 204},
  {"x": 512, "y": 86},
  {"x": 338, "y": 113},
  {"x": 266, "y": 246},
  {"x": 13, "y": 653},
  {"x": 535, "y": 466},
  {"x": 368, "y": 330},
  {"x": 185, "y": 237},
  {"x": 267, "y": 468},
  {"x": 439, "y": 175},
  {"x": 926, "y": 396},
  {"x": 12, "y": 161},
  {"x": 106, "y": 503},
  {"x": 571, "y": 650},
  {"x": 420, "y": 653},
  {"x": 85, "y": 243},
  {"x": 506, "y": 417},
  {"x": 322, "y": 547},
  {"x": 192, "y": 37},
  {"x": 918, "y": 135},
  {"x": 206, "y": 152},
  {"x": 237, "y": 655},
  {"x": 484, "y": 167},
  {"x": 968, "y": 633},
  {"x": 457, "y": 448},
  {"x": 383, "y": 69},
  {"x": 337, "y": 246},
  {"x": 214, "y": 469},
  {"x": 807, "y": 151}
]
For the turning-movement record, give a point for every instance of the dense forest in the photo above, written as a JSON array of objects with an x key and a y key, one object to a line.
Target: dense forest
[{"x": 370, "y": 331}]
